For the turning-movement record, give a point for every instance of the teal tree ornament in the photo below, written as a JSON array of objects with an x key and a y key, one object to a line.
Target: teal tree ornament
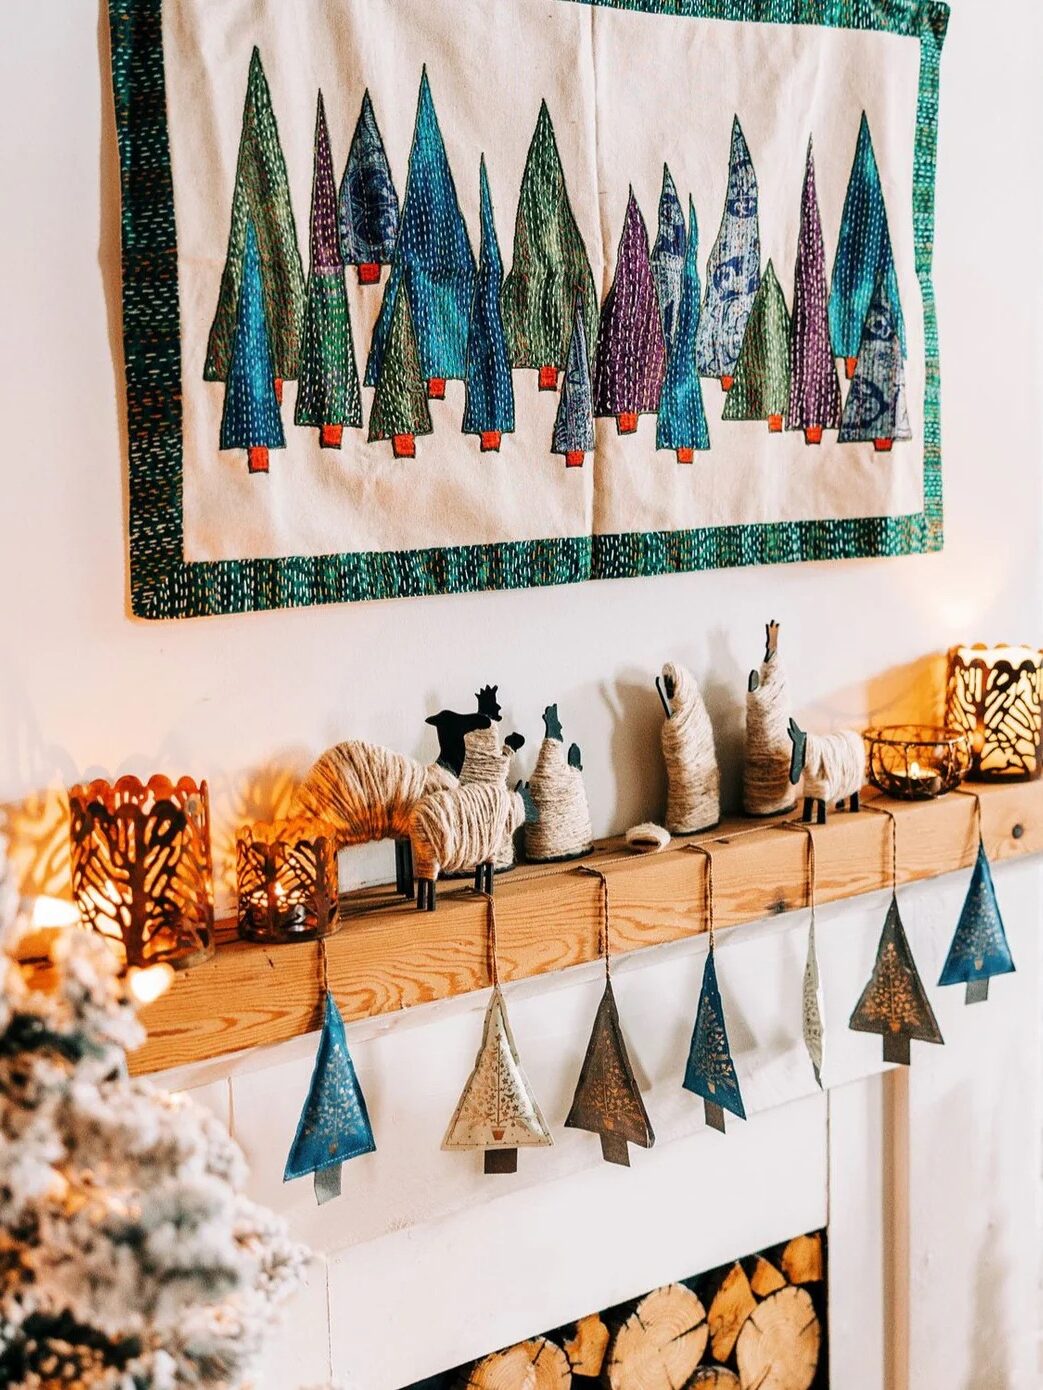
[
  {"x": 710, "y": 1072},
  {"x": 251, "y": 418},
  {"x": 979, "y": 949},
  {"x": 489, "y": 404},
  {"x": 334, "y": 1124},
  {"x": 681, "y": 424}
]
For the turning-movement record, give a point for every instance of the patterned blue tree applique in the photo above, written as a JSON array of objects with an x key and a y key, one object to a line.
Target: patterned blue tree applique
[
  {"x": 710, "y": 1072},
  {"x": 733, "y": 272},
  {"x": 681, "y": 425},
  {"x": 367, "y": 207},
  {"x": 489, "y": 405},
  {"x": 863, "y": 254},
  {"x": 334, "y": 1124},
  {"x": 979, "y": 948},
  {"x": 877, "y": 406},
  {"x": 667, "y": 258},
  {"x": 433, "y": 260},
  {"x": 251, "y": 418},
  {"x": 574, "y": 422}
]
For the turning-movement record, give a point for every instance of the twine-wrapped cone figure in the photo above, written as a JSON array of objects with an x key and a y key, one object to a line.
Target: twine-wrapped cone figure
[
  {"x": 563, "y": 829},
  {"x": 365, "y": 792},
  {"x": 693, "y": 779},
  {"x": 487, "y": 762},
  {"x": 766, "y": 786},
  {"x": 462, "y": 828}
]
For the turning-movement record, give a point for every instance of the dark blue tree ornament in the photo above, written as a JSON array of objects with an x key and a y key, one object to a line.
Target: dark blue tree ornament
[
  {"x": 334, "y": 1124},
  {"x": 979, "y": 948},
  {"x": 710, "y": 1072}
]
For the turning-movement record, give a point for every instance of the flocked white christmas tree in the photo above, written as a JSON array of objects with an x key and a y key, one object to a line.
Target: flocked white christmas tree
[{"x": 129, "y": 1257}]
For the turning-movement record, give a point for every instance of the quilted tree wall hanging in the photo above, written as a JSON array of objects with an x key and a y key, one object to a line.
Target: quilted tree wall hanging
[{"x": 556, "y": 291}]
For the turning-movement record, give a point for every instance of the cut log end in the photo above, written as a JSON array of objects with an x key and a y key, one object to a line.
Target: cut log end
[
  {"x": 330, "y": 436},
  {"x": 257, "y": 459},
  {"x": 626, "y": 422},
  {"x": 587, "y": 1347},
  {"x": 574, "y": 458},
  {"x": 369, "y": 273},
  {"x": 501, "y": 1161},
  {"x": 778, "y": 1348},
  {"x": 548, "y": 378},
  {"x": 403, "y": 446},
  {"x": 489, "y": 441},
  {"x": 732, "y": 1305},
  {"x": 661, "y": 1343},
  {"x": 802, "y": 1260},
  {"x": 535, "y": 1365},
  {"x": 765, "y": 1278}
]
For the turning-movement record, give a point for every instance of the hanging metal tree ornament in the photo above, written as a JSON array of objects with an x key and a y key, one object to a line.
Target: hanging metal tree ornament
[
  {"x": 497, "y": 1111},
  {"x": 334, "y": 1125},
  {"x": 608, "y": 1099},
  {"x": 710, "y": 1072},
  {"x": 812, "y": 1001},
  {"x": 979, "y": 948},
  {"x": 894, "y": 1003}
]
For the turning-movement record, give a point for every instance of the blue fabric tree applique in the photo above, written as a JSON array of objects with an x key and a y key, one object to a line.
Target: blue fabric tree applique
[
  {"x": 574, "y": 423},
  {"x": 979, "y": 948},
  {"x": 877, "y": 405},
  {"x": 250, "y": 419},
  {"x": 864, "y": 253},
  {"x": 682, "y": 416},
  {"x": 667, "y": 258},
  {"x": 433, "y": 260},
  {"x": 367, "y": 207},
  {"x": 489, "y": 404},
  {"x": 334, "y": 1125},
  {"x": 710, "y": 1072},
  {"x": 733, "y": 272}
]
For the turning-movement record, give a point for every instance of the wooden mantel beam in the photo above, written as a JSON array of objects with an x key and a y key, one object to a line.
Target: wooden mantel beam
[{"x": 387, "y": 956}]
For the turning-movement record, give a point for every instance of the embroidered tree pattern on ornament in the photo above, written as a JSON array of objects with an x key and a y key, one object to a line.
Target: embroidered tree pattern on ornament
[
  {"x": 489, "y": 404},
  {"x": 681, "y": 425},
  {"x": 367, "y": 208},
  {"x": 814, "y": 399}
]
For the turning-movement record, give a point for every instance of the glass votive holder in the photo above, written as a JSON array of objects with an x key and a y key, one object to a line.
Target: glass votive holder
[
  {"x": 286, "y": 875},
  {"x": 142, "y": 874},
  {"x": 915, "y": 762},
  {"x": 995, "y": 696}
]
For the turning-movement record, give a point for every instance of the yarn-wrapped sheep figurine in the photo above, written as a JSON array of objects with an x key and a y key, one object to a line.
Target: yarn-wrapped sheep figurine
[
  {"x": 833, "y": 767},
  {"x": 563, "y": 829},
  {"x": 366, "y": 793},
  {"x": 693, "y": 800},
  {"x": 488, "y": 761},
  {"x": 460, "y": 828},
  {"x": 766, "y": 786}
]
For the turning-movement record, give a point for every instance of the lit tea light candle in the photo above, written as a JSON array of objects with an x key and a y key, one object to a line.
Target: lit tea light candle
[
  {"x": 914, "y": 762},
  {"x": 286, "y": 874}
]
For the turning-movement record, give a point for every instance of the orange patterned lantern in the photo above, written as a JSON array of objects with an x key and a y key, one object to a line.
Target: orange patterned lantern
[{"x": 995, "y": 697}]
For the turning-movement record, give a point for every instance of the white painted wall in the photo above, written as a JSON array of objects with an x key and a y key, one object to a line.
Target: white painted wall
[{"x": 243, "y": 700}]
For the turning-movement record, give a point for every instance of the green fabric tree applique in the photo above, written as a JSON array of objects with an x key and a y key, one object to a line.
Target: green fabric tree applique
[
  {"x": 762, "y": 374},
  {"x": 399, "y": 411},
  {"x": 261, "y": 196},
  {"x": 328, "y": 391},
  {"x": 550, "y": 267},
  {"x": 251, "y": 419}
]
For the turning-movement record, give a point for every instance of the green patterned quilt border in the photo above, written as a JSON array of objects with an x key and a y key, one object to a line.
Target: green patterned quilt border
[{"x": 163, "y": 585}]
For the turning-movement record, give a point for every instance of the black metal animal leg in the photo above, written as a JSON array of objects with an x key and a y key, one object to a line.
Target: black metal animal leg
[
  {"x": 854, "y": 802},
  {"x": 426, "y": 900},
  {"x": 484, "y": 881},
  {"x": 821, "y": 812},
  {"x": 404, "y": 880},
  {"x": 479, "y": 879},
  {"x": 809, "y": 807}
]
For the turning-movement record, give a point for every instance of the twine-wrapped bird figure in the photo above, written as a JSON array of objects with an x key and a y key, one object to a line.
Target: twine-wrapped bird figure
[{"x": 462, "y": 828}]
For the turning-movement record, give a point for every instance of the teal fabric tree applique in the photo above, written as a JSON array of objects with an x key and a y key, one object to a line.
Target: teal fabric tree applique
[
  {"x": 710, "y": 1072},
  {"x": 631, "y": 352},
  {"x": 400, "y": 411},
  {"x": 250, "y": 419},
  {"x": 733, "y": 271},
  {"x": 367, "y": 208},
  {"x": 489, "y": 403},
  {"x": 814, "y": 398},
  {"x": 864, "y": 254},
  {"x": 681, "y": 425},
  {"x": 334, "y": 1124},
  {"x": 550, "y": 266},
  {"x": 877, "y": 406},
  {"x": 979, "y": 949},
  {"x": 261, "y": 196},
  {"x": 762, "y": 376},
  {"x": 667, "y": 258},
  {"x": 328, "y": 394},
  {"x": 894, "y": 1003},
  {"x": 574, "y": 422},
  {"x": 433, "y": 261}
]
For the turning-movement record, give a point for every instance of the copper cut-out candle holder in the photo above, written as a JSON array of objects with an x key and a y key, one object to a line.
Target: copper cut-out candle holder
[
  {"x": 995, "y": 697},
  {"x": 286, "y": 873},
  {"x": 142, "y": 874},
  {"x": 916, "y": 762}
]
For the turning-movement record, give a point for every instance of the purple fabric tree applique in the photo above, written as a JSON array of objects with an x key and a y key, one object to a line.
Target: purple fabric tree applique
[
  {"x": 631, "y": 352},
  {"x": 814, "y": 399}
]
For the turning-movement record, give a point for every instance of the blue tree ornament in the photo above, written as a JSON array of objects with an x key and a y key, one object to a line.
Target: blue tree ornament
[
  {"x": 334, "y": 1124},
  {"x": 710, "y": 1072},
  {"x": 979, "y": 948}
]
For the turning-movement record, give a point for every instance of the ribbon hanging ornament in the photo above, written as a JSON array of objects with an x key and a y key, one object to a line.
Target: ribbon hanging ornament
[
  {"x": 979, "y": 949},
  {"x": 608, "y": 1099},
  {"x": 710, "y": 1072},
  {"x": 497, "y": 1112},
  {"x": 334, "y": 1125},
  {"x": 894, "y": 1003}
]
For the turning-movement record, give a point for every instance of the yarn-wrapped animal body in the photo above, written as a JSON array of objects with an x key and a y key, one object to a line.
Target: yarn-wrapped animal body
[
  {"x": 766, "y": 786},
  {"x": 366, "y": 792},
  {"x": 487, "y": 762},
  {"x": 563, "y": 829},
  {"x": 461, "y": 828},
  {"x": 833, "y": 767},
  {"x": 693, "y": 801}
]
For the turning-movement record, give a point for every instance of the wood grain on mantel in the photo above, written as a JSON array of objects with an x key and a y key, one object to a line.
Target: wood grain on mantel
[{"x": 387, "y": 956}]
